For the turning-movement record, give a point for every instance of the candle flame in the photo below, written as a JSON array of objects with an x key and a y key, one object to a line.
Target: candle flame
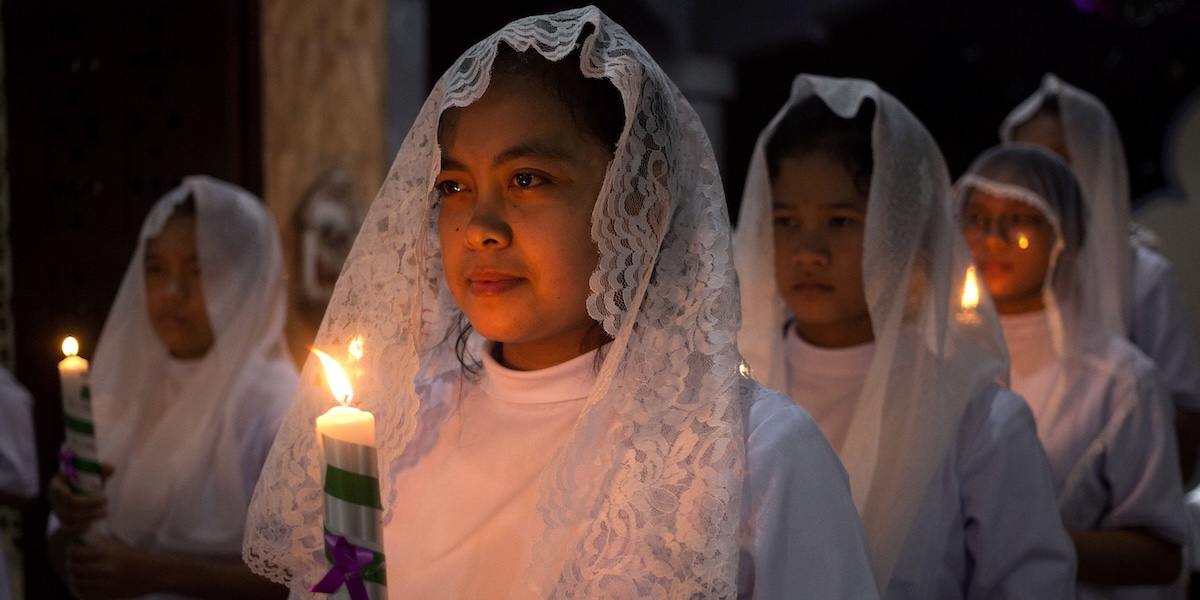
[
  {"x": 70, "y": 346},
  {"x": 338, "y": 383},
  {"x": 356, "y": 348},
  {"x": 970, "y": 297},
  {"x": 1022, "y": 241}
]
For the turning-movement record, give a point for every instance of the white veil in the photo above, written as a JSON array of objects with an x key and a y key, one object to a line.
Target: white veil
[
  {"x": 168, "y": 459},
  {"x": 1098, "y": 161},
  {"x": 932, "y": 355},
  {"x": 644, "y": 497}
]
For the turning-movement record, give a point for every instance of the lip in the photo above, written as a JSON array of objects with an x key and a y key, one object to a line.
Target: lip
[
  {"x": 491, "y": 283},
  {"x": 994, "y": 267},
  {"x": 811, "y": 287}
]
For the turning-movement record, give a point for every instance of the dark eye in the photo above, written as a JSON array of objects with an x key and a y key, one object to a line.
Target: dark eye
[
  {"x": 449, "y": 187},
  {"x": 527, "y": 180},
  {"x": 788, "y": 222},
  {"x": 840, "y": 222},
  {"x": 1020, "y": 220}
]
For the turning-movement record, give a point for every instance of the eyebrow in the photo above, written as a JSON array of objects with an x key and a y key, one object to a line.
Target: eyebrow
[
  {"x": 839, "y": 205},
  {"x": 530, "y": 149}
]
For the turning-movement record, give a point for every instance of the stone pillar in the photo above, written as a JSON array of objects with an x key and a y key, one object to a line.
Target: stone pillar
[{"x": 323, "y": 73}]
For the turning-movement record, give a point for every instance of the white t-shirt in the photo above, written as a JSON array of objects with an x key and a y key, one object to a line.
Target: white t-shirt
[
  {"x": 466, "y": 522},
  {"x": 988, "y": 525},
  {"x": 1107, "y": 433}
]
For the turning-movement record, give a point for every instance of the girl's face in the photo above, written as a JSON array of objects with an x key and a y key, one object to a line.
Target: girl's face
[
  {"x": 1012, "y": 242},
  {"x": 819, "y": 217},
  {"x": 1045, "y": 130},
  {"x": 518, "y": 183},
  {"x": 174, "y": 295}
]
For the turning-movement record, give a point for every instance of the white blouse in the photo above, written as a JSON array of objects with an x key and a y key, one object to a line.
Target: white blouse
[
  {"x": 468, "y": 521},
  {"x": 1106, "y": 429},
  {"x": 988, "y": 526}
]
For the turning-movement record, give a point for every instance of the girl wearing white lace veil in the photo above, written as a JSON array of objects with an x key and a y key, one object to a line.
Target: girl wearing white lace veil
[
  {"x": 1131, "y": 288},
  {"x": 601, "y": 442},
  {"x": 1099, "y": 410},
  {"x": 190, "y": 382},
  {"x": 867, "y": 317}
]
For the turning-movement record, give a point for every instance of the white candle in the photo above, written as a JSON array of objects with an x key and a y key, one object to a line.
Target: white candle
[
  {"x": 77, "y": 418},
  {"x": 348, "y": 424},
  {"x": 350, "y": 479}
]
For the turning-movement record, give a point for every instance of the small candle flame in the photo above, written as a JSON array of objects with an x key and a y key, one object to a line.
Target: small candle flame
[
  {"x": 356, "y": 348},
  {"x": 70, "y": 346},
  {"x": 338, "y": 383},
  {"x": 970, "y": 297},
  {"x": 1022, "y": 241}
]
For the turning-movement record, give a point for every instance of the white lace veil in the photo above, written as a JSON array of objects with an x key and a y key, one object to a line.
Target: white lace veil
[
  {"x": 1098, "y": 161},
  {"x": 644, "y": 498},
  {"x": 932, "y": 355},
  {"x": 164, "y": 453}
]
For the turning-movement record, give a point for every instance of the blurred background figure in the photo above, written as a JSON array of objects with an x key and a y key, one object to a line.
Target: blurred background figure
[{"x": 18, "y": 469}]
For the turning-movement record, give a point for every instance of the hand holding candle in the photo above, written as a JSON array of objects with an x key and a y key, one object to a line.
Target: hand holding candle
[
  {"x": 78, "y": 458},
  {"x": 353, "y": 512}
]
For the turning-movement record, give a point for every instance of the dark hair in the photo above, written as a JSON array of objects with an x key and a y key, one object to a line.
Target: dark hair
[
  {"x": 186, "y": 208},
  {"x": 1050, "y": 106},
  {"x": 595, "y": 105},
  {"x": 810, "y": 127}
]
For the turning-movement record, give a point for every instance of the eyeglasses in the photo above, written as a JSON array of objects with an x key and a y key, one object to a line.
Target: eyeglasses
[{"x": 1013, "y": 227}]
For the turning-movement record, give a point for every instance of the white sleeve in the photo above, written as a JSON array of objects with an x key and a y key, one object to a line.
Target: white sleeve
[
  {"x": 1014, "y": 533},
  {"x": 807, "y": 541},
  {"x": 1161, "y": 328},
  {"x": 1141, "y": 465},
  {"x": 18, "y": 456}
]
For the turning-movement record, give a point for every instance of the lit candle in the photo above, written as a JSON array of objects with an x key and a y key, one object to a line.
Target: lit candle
[
  {"x": 970, "y": 298},
  {"x": 353, "y": 512},
  {"x": 78, "y": 458}
]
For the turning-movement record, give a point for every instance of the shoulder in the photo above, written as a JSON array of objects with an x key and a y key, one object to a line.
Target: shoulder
[
  {"x": 996, "y": 412},
  {"x": 267, "y": 389},
  {"x": 781, "y": 431},
  {"x": 1149, "y": 265}
]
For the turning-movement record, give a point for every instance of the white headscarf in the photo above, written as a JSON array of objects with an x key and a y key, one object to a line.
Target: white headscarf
[
  {"x": 1098, "y": 161},
  {"x": 1039, "y": 178},
  {"x": 190, "y": 450},
  {"x": 931, "y": 355},
  {"x": 646, "y": 491}
]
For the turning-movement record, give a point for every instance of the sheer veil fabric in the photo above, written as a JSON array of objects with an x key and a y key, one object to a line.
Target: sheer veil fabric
[
  {"x": 932, "y": 355},
  {"x": 1098, "y": 161},
  {"x": 180, "y": 481},
  {"x": 644, "y": 498}
]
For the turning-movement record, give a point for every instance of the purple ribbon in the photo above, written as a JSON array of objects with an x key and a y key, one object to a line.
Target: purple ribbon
[
  {"x": 348, "y": 560},
  {"x": 66, "y": 460}
]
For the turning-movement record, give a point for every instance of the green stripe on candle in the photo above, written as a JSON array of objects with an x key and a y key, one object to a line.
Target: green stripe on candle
[
  {"x": 86, "y": 466},
  {"x": 352, "y": 487},
  {"x": 375, "y": 571},
  {"x": 85, "y": 392},
  {"x": 79, "y": 425}
]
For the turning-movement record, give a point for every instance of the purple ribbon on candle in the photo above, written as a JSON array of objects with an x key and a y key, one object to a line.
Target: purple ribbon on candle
[
  {"x": 66, "y": 460},
  {"x": 348, "y": 560}
]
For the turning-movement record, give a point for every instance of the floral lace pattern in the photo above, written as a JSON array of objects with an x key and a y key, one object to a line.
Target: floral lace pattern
[{"x": 644, "y": 498}]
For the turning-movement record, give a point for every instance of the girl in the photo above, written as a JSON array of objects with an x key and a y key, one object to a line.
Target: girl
[
  {"x": 190, "y": 382},
  {"x": 868, "y": 316},
  {"x": 547, "y": 306},
  {"x": 1145, "y": 303},
  {"x": 1097, "y": 403}
]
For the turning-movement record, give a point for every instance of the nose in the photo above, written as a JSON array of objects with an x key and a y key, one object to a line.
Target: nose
[
  {"x": 810, "y": 247},
  {"x": 488, "y": 228}
]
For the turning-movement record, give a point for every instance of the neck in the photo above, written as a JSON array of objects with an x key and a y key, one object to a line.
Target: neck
[
  {"x": 837, "y": 335},
  {"x": 1020, "y": 305},
  {"x": 531, "y": 357}
]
